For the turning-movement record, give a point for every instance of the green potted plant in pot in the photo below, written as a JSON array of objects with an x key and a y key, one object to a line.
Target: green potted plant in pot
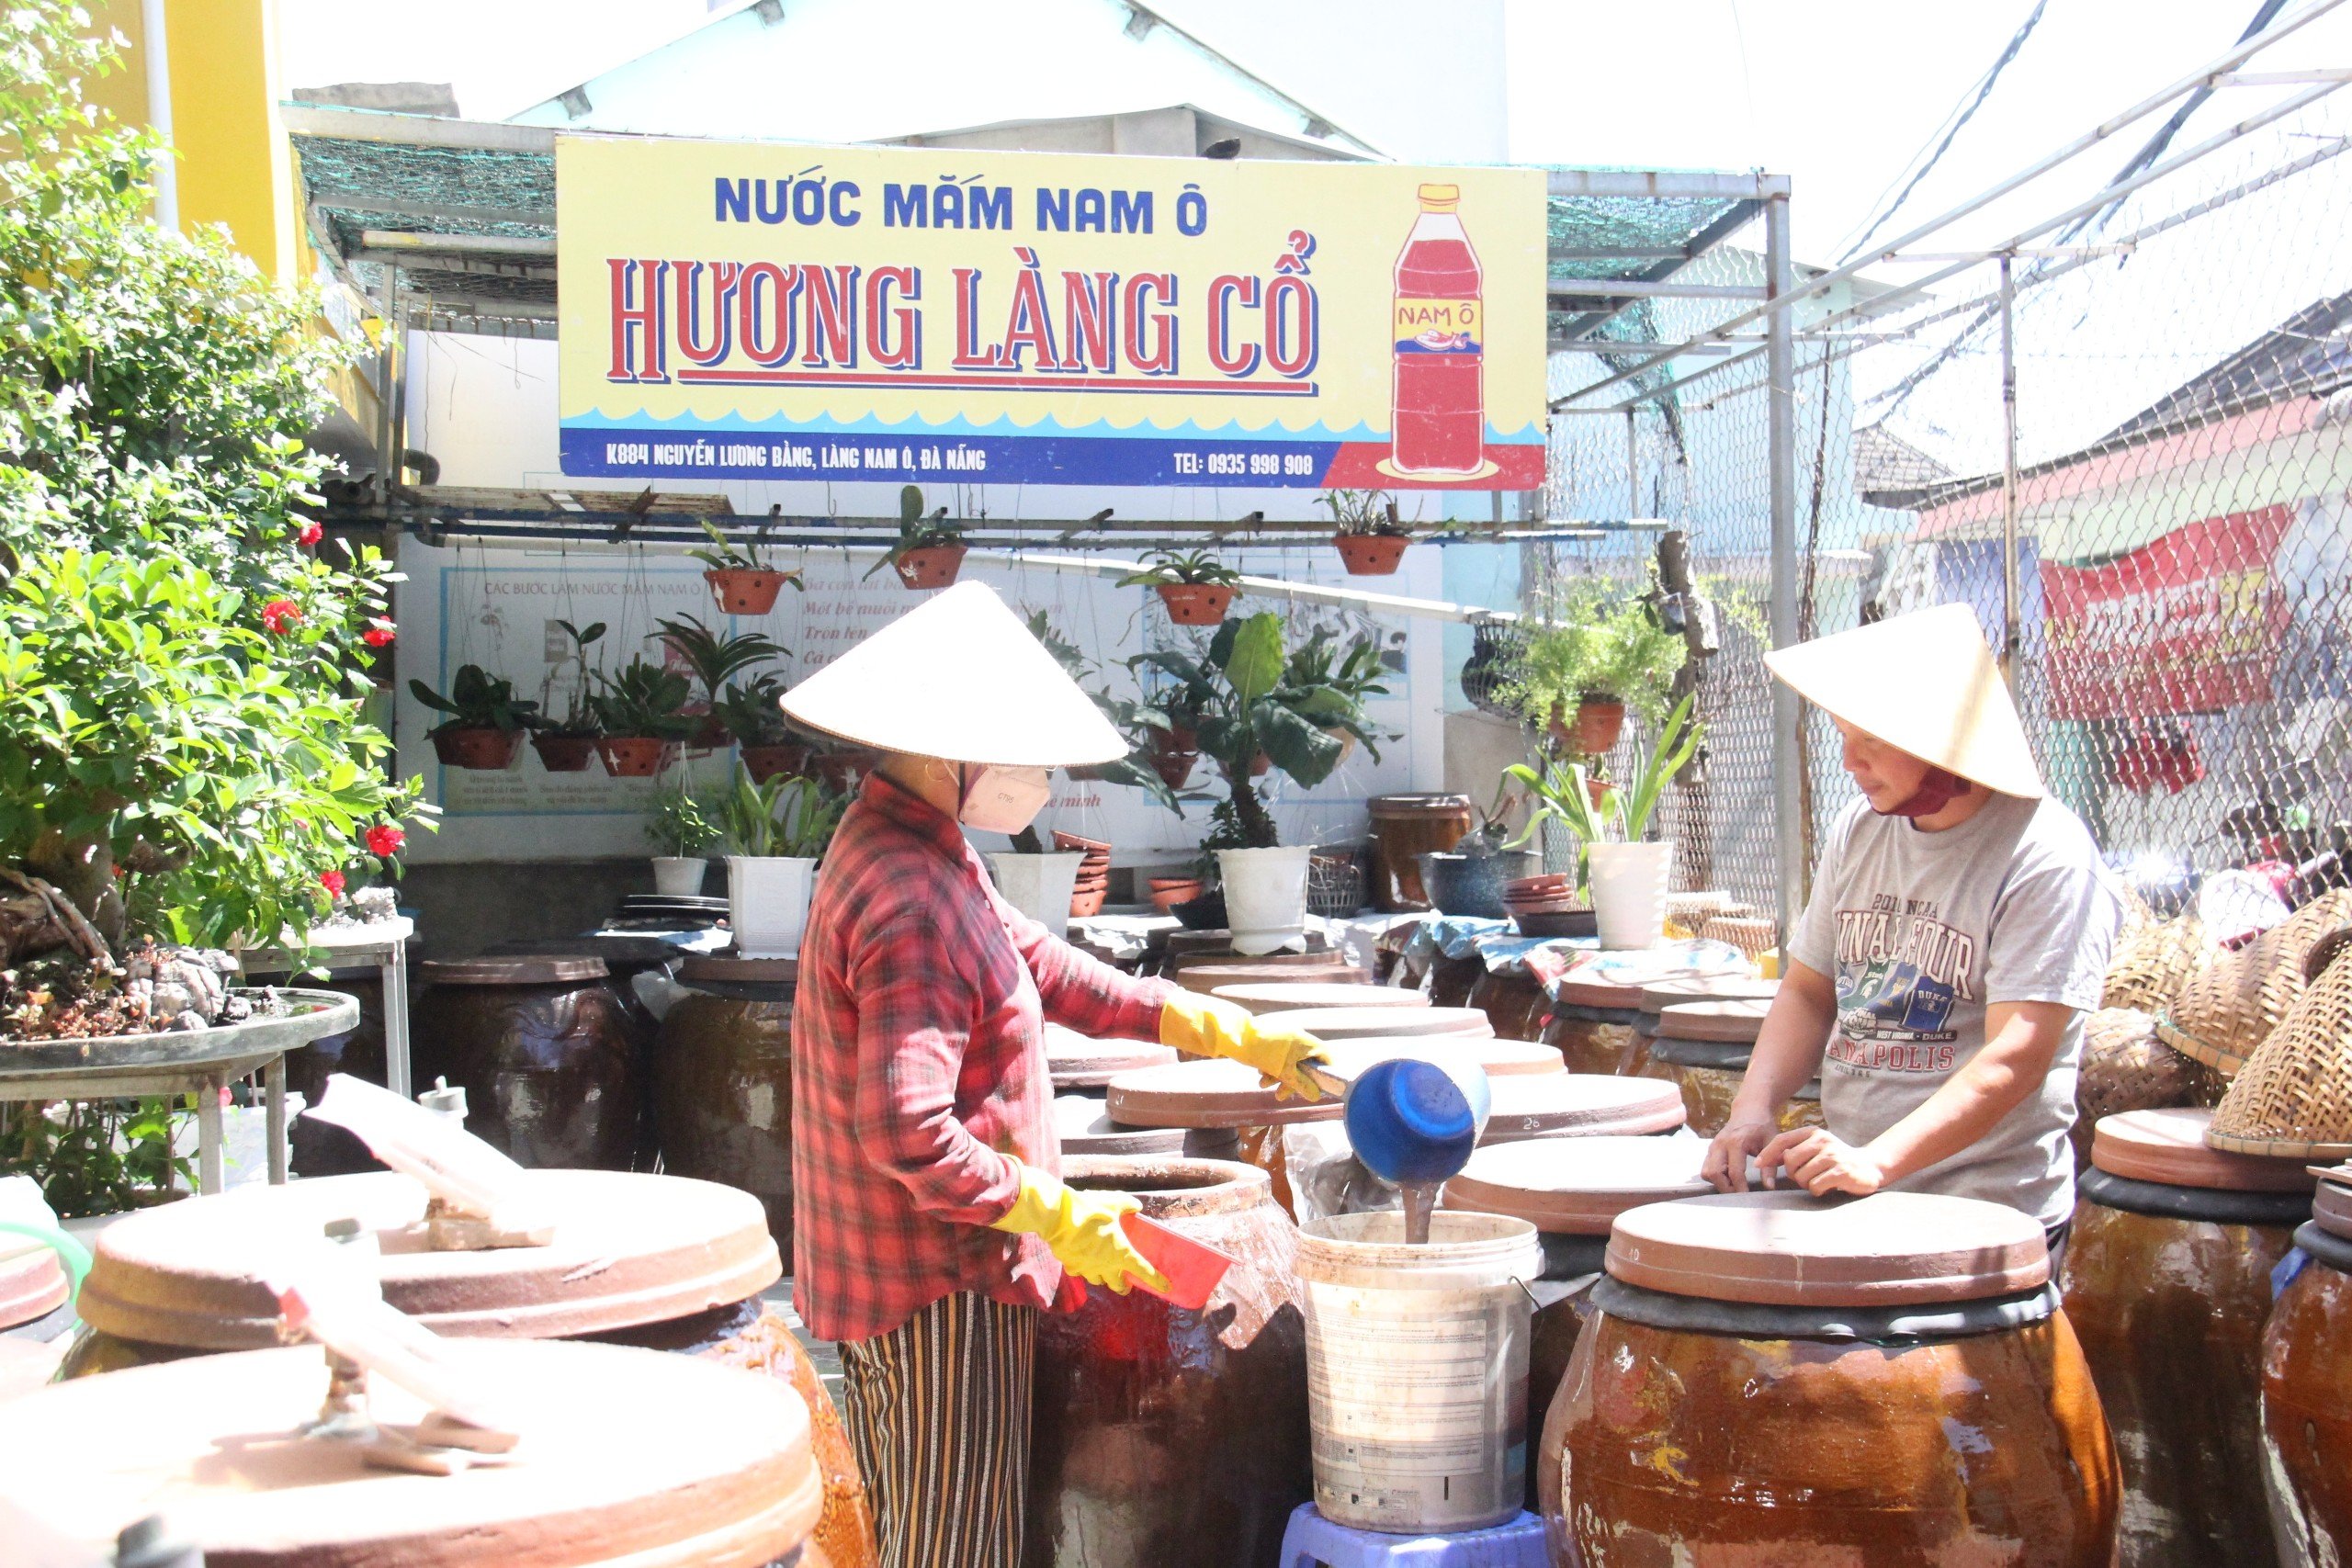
[
  {"x": 565, "y": 745},
  {"x": 1597, "y": 652},
  {"x": 643, "y": 712},
  {"x": 1194, "y": 584},
  {"x": 774, "y": 834},
  {"x": 764, "y": 737},
  {"x": 930, "y": 549},
  {"x": 683, "y": 827},
  {"x": 486, "y": 724},
  {"x": 1372, "y": 538},
  {"x": 713, "y": 656},
  {"x": 742, "y": 577},
  {"x": 1624, "y": 874}
]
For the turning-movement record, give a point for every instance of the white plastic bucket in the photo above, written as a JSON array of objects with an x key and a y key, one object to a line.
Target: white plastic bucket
[
  {"x": 679, "y": 875},
  {"x": 1265, "y": 897},
  {"x": 767, "y": 903},
  {"x": 1040, "y": 887},
  {"x": 1417, "y": 1368},
  {"x": 1629, "y": 884}
]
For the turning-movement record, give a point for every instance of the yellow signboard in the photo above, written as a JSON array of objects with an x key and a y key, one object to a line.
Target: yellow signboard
[{"x": 756, "y": 310}]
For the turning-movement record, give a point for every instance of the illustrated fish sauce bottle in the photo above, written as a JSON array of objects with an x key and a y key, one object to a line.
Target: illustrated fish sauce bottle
[{"x": 1437, "y": 405}]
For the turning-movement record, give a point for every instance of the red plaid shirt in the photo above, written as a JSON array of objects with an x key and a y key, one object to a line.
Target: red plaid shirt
[{"x": 919, "y": 1065}]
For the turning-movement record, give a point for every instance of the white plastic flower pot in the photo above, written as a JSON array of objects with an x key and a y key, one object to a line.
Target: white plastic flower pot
[
  {"x": 767, "y": 903},
  {"x": 1038, "y": 885},
  {"x": 1265, "y": 897},
  {"x": 680, "y": 877},
  {"x": 1629, "y": 884}
]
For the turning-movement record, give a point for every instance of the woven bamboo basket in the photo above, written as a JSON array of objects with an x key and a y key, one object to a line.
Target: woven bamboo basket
[
  {"x": 2126, "y": 1068},
  {"x": 1751, "y": 935},
  {"x": 2231, "y": 1003},
  {"x": 2152, "y": 959},
  {"x": 2293, "y": 1097}
]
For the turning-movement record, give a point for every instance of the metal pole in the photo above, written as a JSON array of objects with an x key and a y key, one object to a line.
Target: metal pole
[
  {"x": 1632, "y": 466},
  {"x": 2009, "y": 475},
  {"x": 1788, "y": 756},
  {"x": 154, "y": 38}
]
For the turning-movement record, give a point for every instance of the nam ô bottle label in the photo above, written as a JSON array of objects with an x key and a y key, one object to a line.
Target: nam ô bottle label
[{"x": 1438, "y": 406}]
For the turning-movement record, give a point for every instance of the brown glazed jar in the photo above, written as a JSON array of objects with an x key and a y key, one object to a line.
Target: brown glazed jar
[
  {"x": 722, "y": 1086},
  {"x": 547, "y": 1052},
  {"x": 1513, "y": 1002},
  {"x": 1169, "y": 1438},
  {"x": 2167, "y": 1282},
  {"x": 1595, "y": 1040},
  {"x": 2306, "y": 1391},
  {"x": 318, "y": 1149},
  {"x": 1405, "y": 828},
  {"x": 1708, "y": 1074},
  {"x": 1453, "y": 980}
]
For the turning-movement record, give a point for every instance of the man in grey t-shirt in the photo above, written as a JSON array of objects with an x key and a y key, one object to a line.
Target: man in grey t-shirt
[{"x": 1959, "y": 930}]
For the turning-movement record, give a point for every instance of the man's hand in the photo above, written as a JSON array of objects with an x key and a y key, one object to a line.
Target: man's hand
[
  {"x": 1822, "y": 1163},
  {"x": 1727, "y": 1155}
]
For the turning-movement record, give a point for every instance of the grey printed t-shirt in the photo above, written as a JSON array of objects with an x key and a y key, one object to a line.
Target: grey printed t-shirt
[{"x": 1920, "y": 932}]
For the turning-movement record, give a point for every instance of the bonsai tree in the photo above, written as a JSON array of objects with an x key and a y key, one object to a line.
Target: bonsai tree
[
  {"x": 1599, "y": 648},
  {"x": 930, "y": 549}
]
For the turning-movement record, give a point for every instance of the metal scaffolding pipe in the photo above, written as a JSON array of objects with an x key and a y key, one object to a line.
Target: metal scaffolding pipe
[{"x": 1789, "y": 829}]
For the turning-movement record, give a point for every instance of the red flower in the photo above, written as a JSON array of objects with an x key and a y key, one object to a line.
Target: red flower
[
  {"x": 280, "y": 615},
  {"x": 378, "y": 635},
  {"x": 309, "y": 534},
  {"x": 332, "y": 880},
  {"x": 385, "y": 840}
]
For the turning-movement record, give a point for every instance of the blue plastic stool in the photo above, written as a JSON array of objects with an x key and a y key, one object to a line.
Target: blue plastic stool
[{"x": 1312, "y": 1538}]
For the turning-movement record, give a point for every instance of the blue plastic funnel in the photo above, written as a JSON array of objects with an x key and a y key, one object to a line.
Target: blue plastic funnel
[{"x": 1415, "y": 1121}]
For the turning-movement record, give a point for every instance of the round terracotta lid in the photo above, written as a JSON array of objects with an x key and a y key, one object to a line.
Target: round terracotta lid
[
  {"x": 1085, "y": 1127},
  {"x": 1388, "y": 1023},
  {"x": 1725, "y": 988},
  {"x": 2332, "y": 1206},
  {"x": 1602, "y": 993},
  {"x": 1292, "y": 996},
  {"x": 1581, "y": 1105},
  {"x": 1323, "y": 968},
  {"x": 1079, "y": 1061},
  {"x": 2169, "y": 1146},
  {"x": 32, "y": 1283},
  {"x": 628, "y": 1250},
  {"x": 624, "y": 1454},
  {"x": 726, "y": 966},
  {"x": 1207, "y": 1094},
  {"x": 512, "y": 969},
  {"x": 1729, "y": 1022},
  {"x": 1500, "y": 1057},
  {"x": 1577, "y": 1186},
  {"x": 1790, "y": 1249}
]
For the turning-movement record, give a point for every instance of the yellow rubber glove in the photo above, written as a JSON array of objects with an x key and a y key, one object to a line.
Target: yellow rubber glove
[
  {"x": 1211, "y": 1026},
  {"x": 1081, "y": 1230}
]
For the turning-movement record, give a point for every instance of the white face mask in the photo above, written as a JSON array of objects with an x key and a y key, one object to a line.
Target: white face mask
[{"x": 1004, "y": 800}]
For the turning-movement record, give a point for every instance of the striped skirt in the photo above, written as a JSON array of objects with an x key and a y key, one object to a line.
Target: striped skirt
[{"x": 938, "y": 1409}]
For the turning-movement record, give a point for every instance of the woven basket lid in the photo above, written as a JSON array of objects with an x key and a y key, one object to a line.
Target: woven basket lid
[
  {"x": 1732, "y": 1022},
  {"x": 1791, "y": 1249},
  {"x": 1577, "y": 1186},
  {"x": 2151, "y": 963},
  {"x": 628, "y": 1250},
  {"x": 32, "y": 1283},
  {"x": 1294, "y": 995},
  {"x": 2228, "y": 1006},
  {"x": 624, "y": 1454},
  {"x": 2168, "y": 1146},
  {"x": 1077, "y": 1061},
  {"x": 512, "y": 969},
  {"x": 1388, "y": 1023},
  {"x": 2293, "y": 1096},
  {"x": 1085, "y": 1125},
  {"x": 1725, "y": 988}
]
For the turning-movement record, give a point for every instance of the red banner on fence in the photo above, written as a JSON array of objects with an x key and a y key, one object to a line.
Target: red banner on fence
[{"x": 2187, "y": 624}]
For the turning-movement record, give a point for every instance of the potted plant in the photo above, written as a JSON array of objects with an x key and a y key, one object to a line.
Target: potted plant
[
  {"x": 1145, "y": 723},
  {"x": 642, "y": 712},
  {"x": 1596, "y": 651},
  {"x": 1372, "y": 538},
  {"x": 486, "y": 725},
  {"x": 1354, "y": 673},
  {"x": 930, "y": 550},
  {"x": 1194, "y": 585},
  {"x": 682, "y": 826},
  {"x": 742, "y": 577},
  {"x": 1040, "y": 882},
  {"x": 565, "y": 745},
  {"x": 1624, "y": 877},
  {"x": 713, "y": 657},
  {"x": 774, "y": 834},
  {"x": 764, "y": 739}
]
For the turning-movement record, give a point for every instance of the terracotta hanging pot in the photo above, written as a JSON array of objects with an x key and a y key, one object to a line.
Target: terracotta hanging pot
[
  {"x": 840, "y": 770},
  {"x": 1371, "y": 555},
  {"x": 932, "y": 566},
  {"x": 1598, "y": 722},
  {"x": 1177, "y": 738},
  {"x": 745, "y": 591},
  {"x": 710, "y": 735},
  {"x": 635, "y": 756},
  {"x": 766, "y": 763},
  {"x": 1259, "y": 766},
  {"x": 1194, "y": 604},
  {"x": 565, "y": 753},
  {"x": 1174, "y": 768},
  {"x": 479, "y": 751}
]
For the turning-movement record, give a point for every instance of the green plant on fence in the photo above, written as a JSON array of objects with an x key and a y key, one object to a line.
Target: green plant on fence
[
  {"x": 794, "y": 818},
  {"x": 751, "y": 554},
  {"x": 476, "y": 699},
  {"x": 750, "y": 710},
  {"x": 1167, "y": 568},
  {"x": 1596, "y": 813},
  {"x": 1594, "y": 640},
  {"x": 714, "y": 655},
  {"x": 645, "y": 701},
  {"x": 682, "y": 822},
  {"x": 918, "y": 530},
  {"x": 579, "y": 721}
]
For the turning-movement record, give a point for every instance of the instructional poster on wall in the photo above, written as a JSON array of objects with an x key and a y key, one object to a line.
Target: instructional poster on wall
[{"x": 501, "y": 609}]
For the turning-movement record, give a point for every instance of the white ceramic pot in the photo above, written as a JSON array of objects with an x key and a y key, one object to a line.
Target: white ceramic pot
[
  {"x": 767, "y": 903},
  {"x": 1265, "y": 897},
  {"x": 679, "y": 875},
  {"x": 1038, "y": 885},
  {"x": 1629, "y": 884}
]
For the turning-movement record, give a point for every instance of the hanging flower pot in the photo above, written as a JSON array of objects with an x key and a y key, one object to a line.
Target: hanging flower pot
[
  {"x": 840, "y": 771},
  {"x": 1194, "y": 604},
  {"x": 745, "y": 591},
  {"x": 1259, "y": 766},
  {"x": 930, "y": 566},
  {"x": 1174, "y": 768},
  {"x": 765, "y": 763},
  {"x": 1371, "y": 555},
  {"x": 565, "y": 753},
  {"x": 1498, "y": 657},
  {"x": 710, "y": 734},
  {"x": 1599, "y": 721},
  {"x": 477, "y": 751},
  {"x": 635, "y": 756}
]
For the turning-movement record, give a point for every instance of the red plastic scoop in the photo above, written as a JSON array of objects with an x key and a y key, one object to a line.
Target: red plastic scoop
[{"x": 1192, "y": 1267}]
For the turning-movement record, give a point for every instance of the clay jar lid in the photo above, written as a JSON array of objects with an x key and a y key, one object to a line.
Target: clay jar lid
[
  {"x": 1323, "y": 968},
  {"x": 2331, "y": 1205},
  {"x": 1603, "y": 994},
  {"x": 1084, "y": 1126},
  {"x": 2169, "y": 1146},
  {"x": 1728, "y": 989},
  {"x": 1730, "y": 1022},
  {"x": 726, "y": 966},
  {"x": 1388, "y": 1023},
  {"x": 1500, "y": 1058},
  {"x": 625, "y": 1455},
  {"x": 32, "y": 1283},
  {"x": 1580, "y": 1105},
  {"x": 628, "y": 1250},
  {"x": 1077, "y": 1061},
  {"x": 512, "y": 969},
  {"x": 1292, "y": 996},
  {"x": 1207, "y": 1094},
  {"x": 1790, "y": 1249},
  {"x": 1577, "y": 1186}
]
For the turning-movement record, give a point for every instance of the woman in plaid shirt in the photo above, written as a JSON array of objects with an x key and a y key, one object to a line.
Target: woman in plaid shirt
[{"x": 930, "y": 1222}]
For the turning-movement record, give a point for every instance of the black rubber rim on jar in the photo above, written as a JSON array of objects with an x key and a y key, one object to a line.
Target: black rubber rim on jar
[
  {"x": 1582, "y": 1014},
  {"x": 2214, "y": 1206},
  {"x": 1892, "y": 1326},
  {"x": 2325, "y": 1247}
]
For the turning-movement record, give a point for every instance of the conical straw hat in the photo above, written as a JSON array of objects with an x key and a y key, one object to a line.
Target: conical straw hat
[
  {"x": 1924, "y": 683},
  {"x": 959, "y": 678}
]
